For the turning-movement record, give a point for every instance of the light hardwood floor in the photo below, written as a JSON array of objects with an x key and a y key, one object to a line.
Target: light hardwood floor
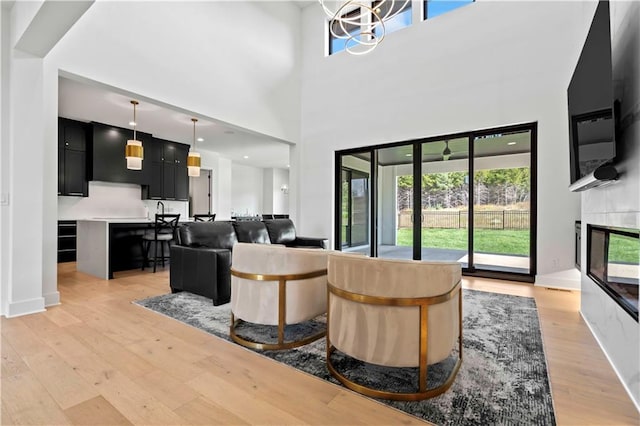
[{"x": 99, "y": 359}]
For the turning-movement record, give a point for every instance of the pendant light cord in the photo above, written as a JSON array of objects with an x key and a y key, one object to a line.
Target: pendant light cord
[
  {"x": 194, "y": 132},
  {"x": 135, "y": 122}
]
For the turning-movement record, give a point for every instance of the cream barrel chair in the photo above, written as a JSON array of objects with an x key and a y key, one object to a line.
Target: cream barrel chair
[
  {"x": 395, "y": 313},
  {"x": 277, "y": 285}
]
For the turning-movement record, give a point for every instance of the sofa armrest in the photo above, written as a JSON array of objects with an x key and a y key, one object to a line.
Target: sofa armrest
[
  {"x": 202, "y": 271},
  {"x": 310, "y": 242}
]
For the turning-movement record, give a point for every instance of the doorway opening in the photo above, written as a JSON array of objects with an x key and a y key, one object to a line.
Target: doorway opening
[{"x": 200, "y": 193}]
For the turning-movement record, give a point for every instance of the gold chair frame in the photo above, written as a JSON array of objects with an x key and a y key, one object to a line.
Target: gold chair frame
[
  {"x": 282, "y": 310},
  {"x": 423, "y": 303}
]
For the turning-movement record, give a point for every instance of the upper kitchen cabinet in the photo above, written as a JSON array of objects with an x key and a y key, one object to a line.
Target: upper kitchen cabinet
[
  {"x": 108, "y": 149},
  {"x": 168, "y": 166},
  {"x": 182, "y": 177},
  {"x": 72, "y": 158}
]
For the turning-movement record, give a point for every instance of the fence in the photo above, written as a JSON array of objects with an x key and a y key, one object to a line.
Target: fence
[{"x": 486, "y": 219}]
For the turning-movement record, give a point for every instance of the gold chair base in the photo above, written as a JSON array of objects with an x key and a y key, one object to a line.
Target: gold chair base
[
  {"x": 270, "y": 346},
  {"x": 396, "y": 396}
]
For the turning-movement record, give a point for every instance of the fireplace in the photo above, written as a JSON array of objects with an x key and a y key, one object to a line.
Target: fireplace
[{"x": 613, "y": 262}]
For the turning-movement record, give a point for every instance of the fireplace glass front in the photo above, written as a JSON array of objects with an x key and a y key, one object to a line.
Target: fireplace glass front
[{"x": 613, "y": 262}]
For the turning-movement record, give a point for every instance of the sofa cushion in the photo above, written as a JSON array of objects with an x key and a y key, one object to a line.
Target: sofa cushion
[
  {"x": 208, "y": 234},
  {"x": 281, "y": 231},
  {"x": 252, "y": 231}
]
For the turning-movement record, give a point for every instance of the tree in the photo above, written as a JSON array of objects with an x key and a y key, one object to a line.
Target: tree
[{"x": 451, "y": 190}]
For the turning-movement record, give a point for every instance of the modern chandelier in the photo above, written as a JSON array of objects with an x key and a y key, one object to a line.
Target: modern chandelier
[
  {"x": 193, "y": 159},
  {"x": 361, "y": 23},
  {"x": 133, "y": 152}
]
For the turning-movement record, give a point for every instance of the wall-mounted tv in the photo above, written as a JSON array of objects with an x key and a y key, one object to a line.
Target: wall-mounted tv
[{"x": 592, "y": 141}]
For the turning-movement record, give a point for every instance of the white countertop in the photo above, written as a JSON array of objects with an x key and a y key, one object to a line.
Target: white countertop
[
  {"x": 126, "y": 220},
  {"x": 117, "y": 219}
]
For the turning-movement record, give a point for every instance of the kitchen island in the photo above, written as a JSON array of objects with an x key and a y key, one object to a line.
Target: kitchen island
[{"x": 109, "y": 245}]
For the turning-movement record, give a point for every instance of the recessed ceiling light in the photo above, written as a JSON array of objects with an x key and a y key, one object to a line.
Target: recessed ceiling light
[
  {"x": 408, "y": 155},
  {"x": 511, "y": 143},
  {"x": 288, "y": 165},
  {"x": 133, "y": 123},
  {"x": 245, "y": 157},
  {"x": 200, "y": 140}
]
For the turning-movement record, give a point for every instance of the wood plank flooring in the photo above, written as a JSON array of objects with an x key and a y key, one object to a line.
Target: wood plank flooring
[{"x": 99, "y": 359}]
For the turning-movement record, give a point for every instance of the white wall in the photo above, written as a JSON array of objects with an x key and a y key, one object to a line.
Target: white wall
[
  {"x": 267, "y": 190},
  {"x": 222, "y": 185},
  {"x": 484, "y": 65},
  {"x": 275, "y": 199},
  {"x": 5, "y": 175},
  {"x": 279, "y": 197},
  {"x": 618, "y": 204},
  {"x": 246, "y": 190},
  {"x": 26, "y": 186}
]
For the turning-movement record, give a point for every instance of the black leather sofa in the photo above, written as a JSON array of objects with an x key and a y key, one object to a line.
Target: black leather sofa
[{"x": 201, "y": 258}]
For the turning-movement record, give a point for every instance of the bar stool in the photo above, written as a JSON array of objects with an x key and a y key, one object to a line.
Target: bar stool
[
  {"x": 204, "y": 217},
  {"x": 163, "y": 232}
]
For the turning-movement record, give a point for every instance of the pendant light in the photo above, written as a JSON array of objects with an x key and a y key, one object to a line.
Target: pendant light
[
  {"x": 193, "y": 160},
  {"x": 446, "y": 154},
  {"x": 133, "y": 151},
  {"x": 361, "y": 23}
]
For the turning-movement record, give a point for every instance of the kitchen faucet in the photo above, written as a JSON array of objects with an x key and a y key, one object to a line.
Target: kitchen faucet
[{"x": 160, "y": 203}]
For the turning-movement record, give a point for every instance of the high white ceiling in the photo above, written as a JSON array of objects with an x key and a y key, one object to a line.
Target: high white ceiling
[{"x": 90, "y": 102}]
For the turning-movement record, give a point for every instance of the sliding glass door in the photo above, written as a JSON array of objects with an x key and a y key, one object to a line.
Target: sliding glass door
[
  {"x": 502, "y": 201},
  {"x": 354, "y": 203},
  {"x": 445, "y": 200},
  {"x": 467, "y": 198},
  {"x": 394, "y": 190}
]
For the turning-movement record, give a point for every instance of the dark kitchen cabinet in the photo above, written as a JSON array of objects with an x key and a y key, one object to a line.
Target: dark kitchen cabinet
[
  {"x": 75, "y": 177},
  {"x": 154, "y": 191},
  {"x": 72, "y": 158},
  {"x": 108, "y": 160},
  {"x": 182, "y": 178},
  {"x": 169, "y": 180}
]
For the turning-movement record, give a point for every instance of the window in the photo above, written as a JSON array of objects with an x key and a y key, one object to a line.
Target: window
[
  {"x": 433, "y": 8},
  {"x": 401, "y": 20},
  {"x": 337, "y": 44}
]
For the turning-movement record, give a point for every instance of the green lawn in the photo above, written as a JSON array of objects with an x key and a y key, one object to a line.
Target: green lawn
[
  {"x": 623, "y": 249},
  {"x": 495, "y": 241}
]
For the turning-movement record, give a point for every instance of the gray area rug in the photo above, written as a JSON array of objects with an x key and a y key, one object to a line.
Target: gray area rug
[{"x": 503, "y": 379}]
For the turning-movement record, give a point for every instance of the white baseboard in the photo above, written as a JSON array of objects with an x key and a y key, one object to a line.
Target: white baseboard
[
  {"x": 25, "y": 307},
  {"x": 563, "y": 280},
  {"x": 52, "y": 299}
]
